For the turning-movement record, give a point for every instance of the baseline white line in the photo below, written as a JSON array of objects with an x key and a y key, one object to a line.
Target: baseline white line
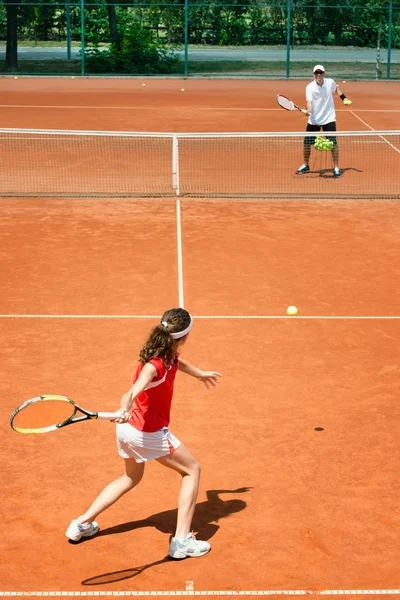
[
  {"x": 208, "y": 593},
  {"x": 86, "y": 107},
  {"x": 372, "y": 129},
  {"x": 293, "y": 318},
  {"x": 179, "y": 252},
  {"x": 198, "y": 108}
]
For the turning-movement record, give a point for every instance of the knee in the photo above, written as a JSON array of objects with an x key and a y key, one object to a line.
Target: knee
[
  {"x": 131, "y": 482},
  {"x": 196, "y": 469},
  {"x": 193, "y": 470}
]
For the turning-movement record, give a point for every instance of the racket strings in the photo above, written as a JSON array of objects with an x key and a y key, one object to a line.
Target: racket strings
[
  {"x": 42, "y": 414},
  {"x": 285, "y": 102}
]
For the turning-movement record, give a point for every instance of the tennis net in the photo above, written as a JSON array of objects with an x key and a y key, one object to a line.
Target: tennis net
[{"x": 50, "y": 163}]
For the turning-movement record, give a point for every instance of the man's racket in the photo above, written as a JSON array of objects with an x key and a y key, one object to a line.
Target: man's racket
[
  {"x": 49, "y": 413},
  {"x": 288, "y": 104}
]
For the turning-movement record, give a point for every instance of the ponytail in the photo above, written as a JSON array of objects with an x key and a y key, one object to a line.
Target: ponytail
[{"x": 159, "y": 343}]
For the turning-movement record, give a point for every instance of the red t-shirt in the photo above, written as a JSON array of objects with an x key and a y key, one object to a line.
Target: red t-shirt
[{"x": 151, "y": 409}]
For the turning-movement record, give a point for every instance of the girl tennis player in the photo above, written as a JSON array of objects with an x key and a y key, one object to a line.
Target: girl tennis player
[{"x": 143, "y": 434}]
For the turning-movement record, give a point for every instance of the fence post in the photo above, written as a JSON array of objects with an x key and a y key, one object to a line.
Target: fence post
[
  {"x": 83, "y": 37},
  {"x": 390, "y": 37},
  {"x": 68, "y": 20},
  {"x": 288, "y": 39},
  {"x": 378, "y": 56},
  {"x": 186, "y": 35}
]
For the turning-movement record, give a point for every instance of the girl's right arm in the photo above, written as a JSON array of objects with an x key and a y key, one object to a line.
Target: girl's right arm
[{"x": 146, "y": 375}]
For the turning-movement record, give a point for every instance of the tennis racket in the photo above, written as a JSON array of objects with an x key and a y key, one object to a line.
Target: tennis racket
[
  {"x": 49, "y": 413},
  {"x": 288, "y": 104}
]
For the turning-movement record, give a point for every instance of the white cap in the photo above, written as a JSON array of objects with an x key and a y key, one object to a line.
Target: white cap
[{"x": 318, "y": 68}]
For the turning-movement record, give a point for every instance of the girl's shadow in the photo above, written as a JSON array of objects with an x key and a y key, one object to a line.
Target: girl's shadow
[{"x": 206, "y": 517}]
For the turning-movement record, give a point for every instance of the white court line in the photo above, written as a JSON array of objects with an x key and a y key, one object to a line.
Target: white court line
[
  {"x": 372, "y": 129},
  {"x": 179, "y": 252},
  {"x": 86, "y": 107},
  {"x": 191, "y": 592},
  {"x": 293, "y": 318},
  {"x": 198, "y": 108}
]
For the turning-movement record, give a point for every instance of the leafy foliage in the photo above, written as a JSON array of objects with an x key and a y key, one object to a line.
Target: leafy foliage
[
  {"x": 139, "y": 54},
  {"x": 237, "y": 22}
]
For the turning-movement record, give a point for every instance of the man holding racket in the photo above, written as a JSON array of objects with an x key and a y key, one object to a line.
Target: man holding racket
[{"x": 320, "y": 109}]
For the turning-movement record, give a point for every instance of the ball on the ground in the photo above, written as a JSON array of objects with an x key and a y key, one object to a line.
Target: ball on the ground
[
  {"x": 143, "y": 85},
  {"x": 182, "y": 89},
  {"x": 292, "y": 310}
]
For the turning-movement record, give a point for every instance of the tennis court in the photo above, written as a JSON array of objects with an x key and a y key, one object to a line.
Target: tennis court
[{"x": 288, "y": 509}]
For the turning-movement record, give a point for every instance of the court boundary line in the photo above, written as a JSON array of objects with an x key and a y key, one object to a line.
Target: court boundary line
[
  {"x": 191, "y": 592},
  {"x": 197, "y": 108},
  {"x": 238, "y": 317},
  {"x": 179, "y": 252},
  {"x": 372, "y": 129}
]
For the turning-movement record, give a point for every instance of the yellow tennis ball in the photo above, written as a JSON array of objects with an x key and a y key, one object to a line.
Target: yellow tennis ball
[
  {"x": 72, "y": 77},
  {"x": 15, "y": 77},
  {"x": 143, "y": 85},
  {"x": 182, "y": 89},
  {"x": 343, "y": 82},
  {"x": 292, "y": 310}
]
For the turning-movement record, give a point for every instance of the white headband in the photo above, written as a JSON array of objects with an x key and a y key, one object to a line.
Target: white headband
[{"x": 179, "y": 334}]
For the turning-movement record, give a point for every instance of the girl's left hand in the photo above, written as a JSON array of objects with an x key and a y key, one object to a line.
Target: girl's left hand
[{"x": 209, "y": 378}]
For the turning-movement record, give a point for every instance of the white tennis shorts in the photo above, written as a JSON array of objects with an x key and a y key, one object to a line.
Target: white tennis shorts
[{"x": 143, "y": 446}]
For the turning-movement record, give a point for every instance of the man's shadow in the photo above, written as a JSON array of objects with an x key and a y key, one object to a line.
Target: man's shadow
[
  {"x": 328, "y": 173},
  {"x": 206, "y": 517}
]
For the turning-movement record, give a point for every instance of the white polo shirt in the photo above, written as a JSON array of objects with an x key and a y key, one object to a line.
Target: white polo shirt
[{"x": 323, "y": 106}]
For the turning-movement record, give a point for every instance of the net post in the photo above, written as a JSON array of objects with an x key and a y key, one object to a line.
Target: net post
[{"x": 175, "y": 164}]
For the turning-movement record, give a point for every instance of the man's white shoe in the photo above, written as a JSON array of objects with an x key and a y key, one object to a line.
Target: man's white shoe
[
  {"x": 76, "y": 530},
  {"x": 187, "y": 547},
  {"x": 303, "y": 169}
]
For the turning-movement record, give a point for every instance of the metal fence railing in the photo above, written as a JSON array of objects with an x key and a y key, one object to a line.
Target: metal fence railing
[{"x": 189, "y": 38}]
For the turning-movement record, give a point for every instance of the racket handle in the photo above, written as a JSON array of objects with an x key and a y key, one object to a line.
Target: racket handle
[{"x": 107, "y": 415}]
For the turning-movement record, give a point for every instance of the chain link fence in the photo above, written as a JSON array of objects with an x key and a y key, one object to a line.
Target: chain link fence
[{"x": 214, "y": 39}]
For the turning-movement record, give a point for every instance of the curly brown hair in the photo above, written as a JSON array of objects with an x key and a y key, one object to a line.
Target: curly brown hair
[{"x": 160, "y": 343}]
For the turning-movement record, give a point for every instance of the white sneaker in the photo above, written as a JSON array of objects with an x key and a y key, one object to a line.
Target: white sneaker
[
  {"x": 76, "y": 530},
  {"x": 303, "y": 169},
  {"x": 182, "y": 548}
]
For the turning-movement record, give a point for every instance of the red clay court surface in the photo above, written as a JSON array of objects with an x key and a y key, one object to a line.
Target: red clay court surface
[{"x": 288, "y": 510}]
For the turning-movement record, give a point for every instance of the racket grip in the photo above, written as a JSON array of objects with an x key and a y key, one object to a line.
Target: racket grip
[{"x": 107, "y": 415}]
